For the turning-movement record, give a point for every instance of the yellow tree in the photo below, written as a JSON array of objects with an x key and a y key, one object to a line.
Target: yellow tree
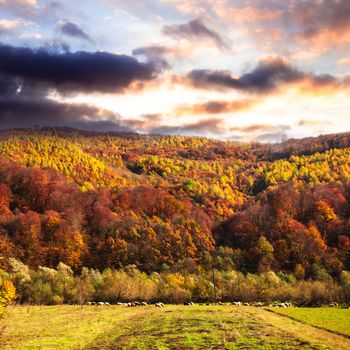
[{"x": 7, "y": 290}]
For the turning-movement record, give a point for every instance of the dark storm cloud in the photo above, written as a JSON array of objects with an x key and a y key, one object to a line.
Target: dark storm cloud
[
  {"x": 73, "y": 30},
  {"x": 8, "y": 86},
  {"x": 17, "y": 111},
  {"x": 27, "y": 105},
  {"x": 194, "y": 30},
  {"x": 267, "y": 76},
  {"x": 79, "y": 71}
]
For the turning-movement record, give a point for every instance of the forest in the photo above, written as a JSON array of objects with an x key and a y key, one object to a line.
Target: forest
[{"x": 179, "y": 207}]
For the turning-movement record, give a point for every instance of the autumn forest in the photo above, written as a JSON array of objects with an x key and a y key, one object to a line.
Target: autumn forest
[{"x": 169, "y": 203}]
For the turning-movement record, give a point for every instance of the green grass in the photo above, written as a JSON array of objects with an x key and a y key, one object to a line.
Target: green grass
[
  {"x": 332, "y": 319},
  {"x": 173, "y": 327}
]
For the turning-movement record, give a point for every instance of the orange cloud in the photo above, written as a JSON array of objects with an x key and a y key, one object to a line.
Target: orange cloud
[
  {"x": 321, "y": 24},
  {"x": 325, "y": 39},
  {"x": 214, "y": 107},
  {"x": 312, "y": 123},
  {"x": 343, "y": 62},
  {"x": 245, "y": 14},
  {"x": 9, "y": 24}
]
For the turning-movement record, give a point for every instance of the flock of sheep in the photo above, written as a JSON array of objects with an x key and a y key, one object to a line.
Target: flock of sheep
[{"x": 190, "y": 303}]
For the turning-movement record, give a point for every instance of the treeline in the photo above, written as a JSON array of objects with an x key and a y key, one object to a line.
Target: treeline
[{"x": 48, "y": 286}]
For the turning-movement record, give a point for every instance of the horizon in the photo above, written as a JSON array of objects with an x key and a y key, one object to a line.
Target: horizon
[
  {"x": 227, "y": 70},
  {"x": 65, "y": 128}
]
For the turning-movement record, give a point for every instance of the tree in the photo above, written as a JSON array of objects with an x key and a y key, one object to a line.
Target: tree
[
  {"x": 7, "y": 290},
  {"x": 264, "y": 250}
]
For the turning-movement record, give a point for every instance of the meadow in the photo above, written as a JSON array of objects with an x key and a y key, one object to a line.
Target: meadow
[
  {"x": 171, "y": 327},
  {"x": 332, "y": 319}
]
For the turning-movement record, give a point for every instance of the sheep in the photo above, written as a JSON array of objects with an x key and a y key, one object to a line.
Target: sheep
[
  {"x": 144, "y": 303},
  {"x": 283, "y": 305},
  {"x": 236, "y": 303},
  {"x": 159, "y": 304},
  {"x": 246, "y": 304}
]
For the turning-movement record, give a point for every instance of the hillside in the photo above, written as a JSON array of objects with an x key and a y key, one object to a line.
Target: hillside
[{"x": 109, "y": 200}]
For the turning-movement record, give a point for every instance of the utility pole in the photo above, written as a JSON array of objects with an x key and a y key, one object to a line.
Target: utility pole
[{"x": 214, "y": 284}]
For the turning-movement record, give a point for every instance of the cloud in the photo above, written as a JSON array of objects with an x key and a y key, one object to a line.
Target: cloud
[
  {"x": 315, "y": 25},
  {"x": 79, "y": 71},
  {"x": 226, "y": 11},
  {"x": 313, "y": 18},
  {"x": 345, "y": 61},
  {"x": 73, "y": 30},
  {"x": 148, "y": 122},
  {"x": 194, "y": 30},
  {"x": 259, "y": 128},
  {"x": 202, "y": 127},
  {"x": 27, "y": 77},
  {"x": 155, "y": 53},
  {"x": 27, "y": 2},
  {"x": 268, "y": 75},
  {"x": 144, "y": 10},
  {"x": 32, "y": 3},
  {"x": 8, "y": 86},
  {"x": 10, "y": 24},
  {"x": 214, "y": 107},
  {"x": 29, "y": 106},
  {"x": 261, "y": 132},
  {"x": 23, "y": 7},
  {"x": 19, "y": 113},
  {"x": 313, "y": 123}
]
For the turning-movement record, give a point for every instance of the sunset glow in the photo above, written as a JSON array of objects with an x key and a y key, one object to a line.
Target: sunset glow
[{"x": 224, "y": 69}]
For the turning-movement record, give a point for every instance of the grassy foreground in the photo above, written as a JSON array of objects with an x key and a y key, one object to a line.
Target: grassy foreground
[
  {"x": 335, "y": 320},
  {"x": 173, "y": 327}
]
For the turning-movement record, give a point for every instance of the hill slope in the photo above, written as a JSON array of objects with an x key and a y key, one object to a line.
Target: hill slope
[{"x": 111, "y": 200}]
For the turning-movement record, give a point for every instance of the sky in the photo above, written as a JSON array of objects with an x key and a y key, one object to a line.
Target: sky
[{"x": 253, "y": 70}]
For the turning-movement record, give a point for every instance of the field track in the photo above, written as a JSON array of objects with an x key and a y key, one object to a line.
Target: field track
[{"x": 172, "y": 327}]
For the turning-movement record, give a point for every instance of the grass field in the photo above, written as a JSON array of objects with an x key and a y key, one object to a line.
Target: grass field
[
  {"x": 173, "y": 327},
  {"x": 335, "y": 320}
]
